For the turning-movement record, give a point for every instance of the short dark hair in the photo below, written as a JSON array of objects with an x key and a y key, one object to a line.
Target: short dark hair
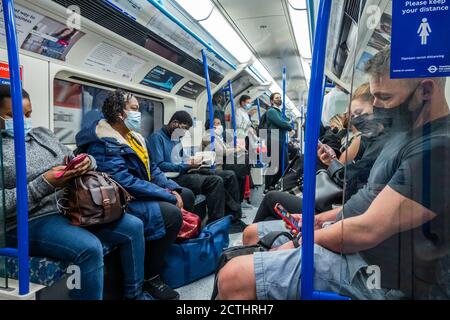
[
  {"x": 380, "y": 63},
  {"x": 5, "y": 93},
  {"x": 182, "y": 117},
  {"x": 217, "y": 96},
  {"x": 243, "y": 98},
  {"x": 114, "y": 106},
  {"x": 208, "y": 123},
  {"x": 272, "y": 96}
]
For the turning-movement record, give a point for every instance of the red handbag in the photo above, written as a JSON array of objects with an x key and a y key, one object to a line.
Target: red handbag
[{"x": 191, "y": 226}]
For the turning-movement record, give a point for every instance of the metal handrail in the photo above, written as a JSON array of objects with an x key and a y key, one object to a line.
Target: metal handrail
[
  {"x": 313, "y": 121},
  {"x": 284, "y": 146},
  {"x": 19, "y": 151},
  {"x": 210, "y": 103}
]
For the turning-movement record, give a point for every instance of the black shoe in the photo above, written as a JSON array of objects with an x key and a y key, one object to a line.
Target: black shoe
[
  {"x": 237, "y": 226},
  {"x": 159, "y": 290}
]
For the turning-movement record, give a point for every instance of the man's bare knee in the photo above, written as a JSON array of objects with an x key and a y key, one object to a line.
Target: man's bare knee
[
  {"x": 236, "y": 281},
  {"x": 250, "y": 235}
]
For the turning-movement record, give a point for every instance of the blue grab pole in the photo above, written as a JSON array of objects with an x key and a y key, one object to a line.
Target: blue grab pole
[
  {"x": 210, "y": 104},
  {"x": 312, "y": 135},
  {"x": 284, "y": 146},
  {"x": 158, "y": 5},
  {"x": 301, "y": 129},
  {"x": 233, "y": 113},
  {"x": 258, "y": 104},
  {"x": 259, "y": 161},
  {"x": 19, "y": 146}
]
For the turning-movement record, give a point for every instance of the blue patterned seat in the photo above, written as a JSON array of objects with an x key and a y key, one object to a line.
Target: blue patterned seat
[{"x": 45, "y": 271}]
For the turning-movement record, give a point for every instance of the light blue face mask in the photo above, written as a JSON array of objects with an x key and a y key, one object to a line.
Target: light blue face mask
[
  {"x": 133, "y": 120},
  {"x": 248, "y": 106},
  {"x": 9, "y": 126}
]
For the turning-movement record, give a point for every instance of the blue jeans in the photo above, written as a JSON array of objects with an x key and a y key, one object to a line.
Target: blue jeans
[{"x": 54, "y": 237}]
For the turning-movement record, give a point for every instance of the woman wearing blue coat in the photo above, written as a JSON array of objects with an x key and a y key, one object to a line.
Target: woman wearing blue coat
[{"x": 122, "y": 153}]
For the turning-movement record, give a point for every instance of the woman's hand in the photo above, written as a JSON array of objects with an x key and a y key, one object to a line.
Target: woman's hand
[
  {"x": 180, "y": 203},
  {"x": 326, "y": 155},
  {"x": 79, "y": 170}
]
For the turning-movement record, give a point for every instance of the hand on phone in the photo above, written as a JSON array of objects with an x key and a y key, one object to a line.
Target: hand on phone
[
  {"x": 326, "y": 154},
  {"x": 80, "y": 163},
  {"x": 293, "y": 223}
]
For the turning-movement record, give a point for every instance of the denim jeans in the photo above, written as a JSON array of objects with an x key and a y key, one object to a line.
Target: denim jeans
[{"x": 54, "y": 237}]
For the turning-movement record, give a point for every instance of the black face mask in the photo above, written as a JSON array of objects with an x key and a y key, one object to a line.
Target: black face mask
[
  {"x": 368, "y": 125},
  {"x": 399, "y": 118}
]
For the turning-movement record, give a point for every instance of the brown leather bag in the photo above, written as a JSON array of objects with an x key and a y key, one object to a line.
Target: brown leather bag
[{"x": 94, "y": 199}]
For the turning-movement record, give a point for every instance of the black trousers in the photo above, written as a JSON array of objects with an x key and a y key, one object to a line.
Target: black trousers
[
  {"x": 272, "y": 180},
  {"x": 188, "y": 199},
  {"x": 232, "y": 193},
  {"x": 155, "y": 251},
  {"x": 266, "y": 210},
  {"x": 241, "y": 171},
  {"x": 211, "y": 186}
]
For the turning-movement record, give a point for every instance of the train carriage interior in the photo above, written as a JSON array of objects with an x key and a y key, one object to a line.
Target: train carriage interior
[{"x": 327, "y": 120}]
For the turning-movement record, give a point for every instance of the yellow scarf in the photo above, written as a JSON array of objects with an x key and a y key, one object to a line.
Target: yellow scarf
[{"x": 140, "y": 150}]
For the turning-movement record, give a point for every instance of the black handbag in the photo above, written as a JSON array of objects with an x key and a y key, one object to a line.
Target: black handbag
[{"x": 329, "y": 189}]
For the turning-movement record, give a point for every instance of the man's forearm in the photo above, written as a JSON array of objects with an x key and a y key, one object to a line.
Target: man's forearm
[
  {"x": 346, "y": 236},
  {"x": 329, "y": 215}
]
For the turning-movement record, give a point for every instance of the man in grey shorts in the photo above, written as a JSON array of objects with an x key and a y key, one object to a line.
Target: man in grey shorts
[{"x": 389, "y": 236}]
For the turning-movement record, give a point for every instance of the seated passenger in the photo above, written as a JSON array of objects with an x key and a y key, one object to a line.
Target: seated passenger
[
  {"x": 334, "y": 134},
  {"x": 167, "y": 152},
  {"x": 122, "y": 152},
  {"x": 363, "y": 153},
  {"x": 397, "y": 222},
  {"x": 227, "y": 157},
  {"x": 351, "y": 148},
  {"x": 50, "y": 233}
]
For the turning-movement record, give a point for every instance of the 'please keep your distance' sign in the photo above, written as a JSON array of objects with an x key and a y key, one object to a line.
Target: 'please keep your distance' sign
[{"x": 420, "y": 33}]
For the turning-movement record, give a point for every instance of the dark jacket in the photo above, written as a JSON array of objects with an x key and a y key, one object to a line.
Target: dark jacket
[
  {"x": 162, "y": 152},
  {"x": 277, "y": 128},
  {"x": 115, "y": 157}
]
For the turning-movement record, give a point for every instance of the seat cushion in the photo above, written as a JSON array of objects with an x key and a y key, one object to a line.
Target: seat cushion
[{"x": 45, "y": 271}]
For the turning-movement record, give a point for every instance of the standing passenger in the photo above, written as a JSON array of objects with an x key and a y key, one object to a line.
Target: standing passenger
[{"x": 277, "y": 127}]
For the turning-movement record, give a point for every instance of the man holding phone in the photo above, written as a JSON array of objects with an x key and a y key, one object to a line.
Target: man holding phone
[{"x": 397, "y": 222}]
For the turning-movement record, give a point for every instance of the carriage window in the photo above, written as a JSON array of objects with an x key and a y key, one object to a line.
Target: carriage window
[{"x": 78, "y": 106}]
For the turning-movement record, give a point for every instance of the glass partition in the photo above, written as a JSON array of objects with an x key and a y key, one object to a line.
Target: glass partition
[{"x": 393, "y": 144}]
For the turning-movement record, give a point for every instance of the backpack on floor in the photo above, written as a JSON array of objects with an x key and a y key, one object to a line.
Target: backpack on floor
[{"x": 197, "y": 258}]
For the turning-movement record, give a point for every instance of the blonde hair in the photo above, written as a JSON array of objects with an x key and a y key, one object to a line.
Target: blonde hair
[
  {"x": 339, "y": 121},
  {"x": 363, "y": 93}
]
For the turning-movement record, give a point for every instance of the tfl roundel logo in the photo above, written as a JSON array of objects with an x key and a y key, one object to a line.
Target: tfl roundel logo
[{"x": 432, "y": 69}]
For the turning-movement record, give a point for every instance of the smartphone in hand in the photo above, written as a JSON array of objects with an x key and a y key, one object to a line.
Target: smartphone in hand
[
  {"x": 330, "y": 152},
  {"x": 287, "y": 217},
  {"x": 71, "y": 165}
]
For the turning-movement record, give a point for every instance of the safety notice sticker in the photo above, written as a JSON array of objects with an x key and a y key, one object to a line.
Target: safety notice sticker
[{"x": 420, "y": 33}]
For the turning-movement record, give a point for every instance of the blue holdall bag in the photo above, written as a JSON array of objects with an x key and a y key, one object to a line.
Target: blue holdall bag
[{"x": 197, "y": 258}]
